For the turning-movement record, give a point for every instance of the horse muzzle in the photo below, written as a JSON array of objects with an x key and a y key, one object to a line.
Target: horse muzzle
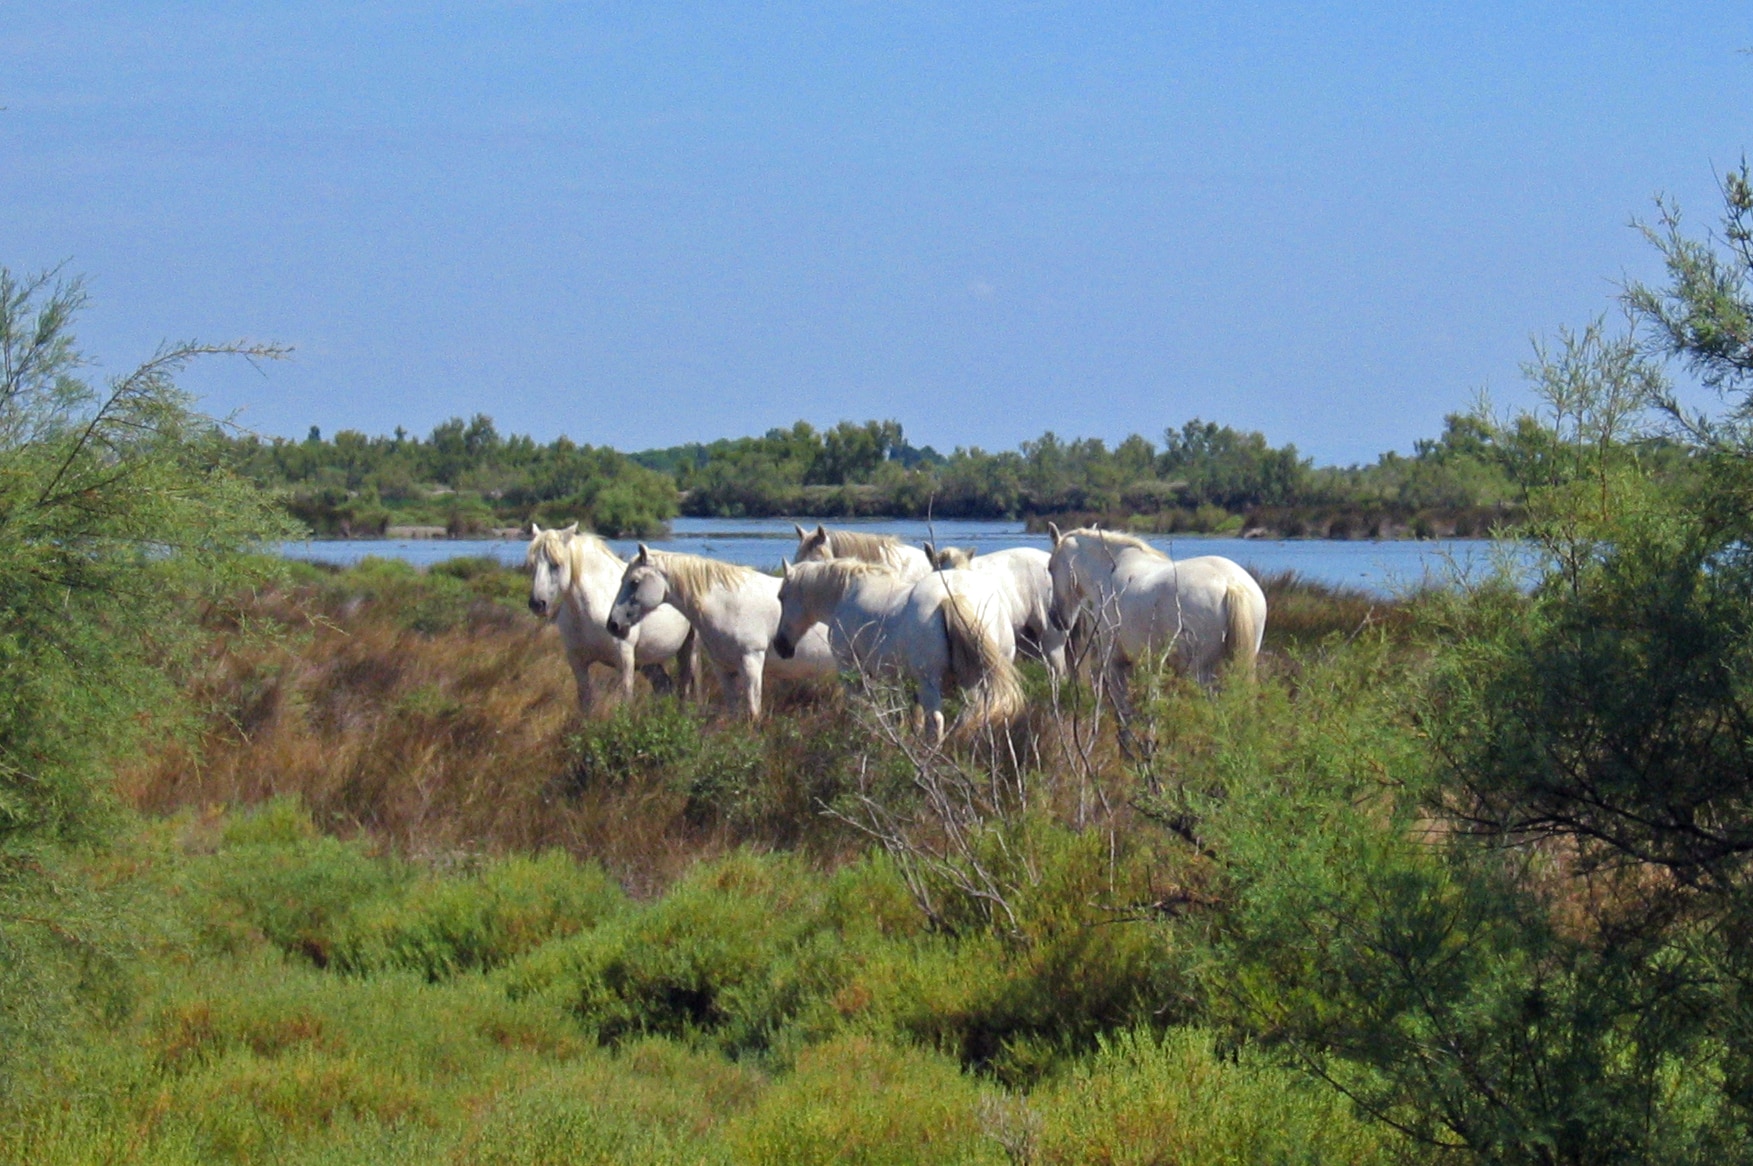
[
  {"x": 617, "y": 629},
  {"x": 784, "y": 645},
  {"x": 539, "y": 606}
]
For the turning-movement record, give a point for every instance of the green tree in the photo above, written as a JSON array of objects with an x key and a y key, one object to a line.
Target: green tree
[
  {"x": 1560, "y": 972},
  {"x": 119, "y": 510}
]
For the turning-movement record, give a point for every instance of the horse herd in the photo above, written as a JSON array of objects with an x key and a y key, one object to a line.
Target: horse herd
[{"x": 851, "y": 601}]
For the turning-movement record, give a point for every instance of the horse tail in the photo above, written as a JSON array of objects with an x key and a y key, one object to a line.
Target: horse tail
[
  {"x": 993, "y": 687},
  {"x": 1241, "y": 638}
]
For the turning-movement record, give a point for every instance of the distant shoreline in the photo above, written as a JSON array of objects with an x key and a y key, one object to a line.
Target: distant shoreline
[{"x": 1257, "y": 533}]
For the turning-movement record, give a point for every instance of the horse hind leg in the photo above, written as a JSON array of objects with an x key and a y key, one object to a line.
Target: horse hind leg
[
  {"x": 688, "y": 667},
  {"x": 660, "y": 680}
]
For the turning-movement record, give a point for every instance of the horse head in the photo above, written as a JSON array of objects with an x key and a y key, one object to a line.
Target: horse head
[
  {"x": 1068, "y": 581},
  {"x": 644, "y": 588},
  {"x": 550, "y": 564},
  {"x": 794, "y": 620},
  {"x": 812, "y": 545}
]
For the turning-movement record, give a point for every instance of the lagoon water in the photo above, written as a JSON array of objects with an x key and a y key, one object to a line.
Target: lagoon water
[{"x": 1381, "y": 567}]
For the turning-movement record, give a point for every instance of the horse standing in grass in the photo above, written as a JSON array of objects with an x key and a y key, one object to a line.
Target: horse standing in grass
[
  {"x": 1027, "y": 586},
  {"x": 573, "y": 578},
  {"x": 822, "y": 544},
  {"x": 949, "y": 626},
  {"x": 1199, "y": 612},
  {"x": 734, "y": 611}
]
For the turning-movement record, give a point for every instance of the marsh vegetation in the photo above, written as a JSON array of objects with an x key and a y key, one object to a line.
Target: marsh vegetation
[{"x": 300, "y": 865}]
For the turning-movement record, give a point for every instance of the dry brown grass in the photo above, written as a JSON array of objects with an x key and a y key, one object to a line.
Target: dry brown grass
[
  {"x": 433, "y": 743},
  {"x": 432, "y": 715}
]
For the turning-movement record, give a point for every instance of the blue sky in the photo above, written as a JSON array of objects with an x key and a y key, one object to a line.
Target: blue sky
[{"x": 642, "y": 224}]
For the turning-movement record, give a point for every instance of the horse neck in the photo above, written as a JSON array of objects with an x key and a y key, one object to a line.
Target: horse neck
[
  {"x": 1102, "y": 558},
  {"x": 596, "y": 576},
  {"x": 874, "y": 593}
]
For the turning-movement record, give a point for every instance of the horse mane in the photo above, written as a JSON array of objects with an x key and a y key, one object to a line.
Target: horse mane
[
  {"x": 1114, "y": 538},
  {"x": 829, "y": 578},
  {"x": 692, "y": 576},
  {"x": 569, "y": 549},
  {"x": 866, "y": 548},
  {"x": 954, "y": 558}
]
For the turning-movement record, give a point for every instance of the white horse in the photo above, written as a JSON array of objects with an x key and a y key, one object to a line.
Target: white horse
[
  {"x": 573, "y": 581},
  {"x": 734, "y": 610},
  {"x": 1027, "y": 586},
  {"x": 822, "y": 544},
  {"x": 1200, "y": 611},
  {"x": 949, "y": 626}
]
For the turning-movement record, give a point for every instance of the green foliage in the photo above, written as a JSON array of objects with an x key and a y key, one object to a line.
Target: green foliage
[
  {"x": 1493, "y": 906},
  {"x": 1206, "y": 478},
  {"x": 116, "y": 507},
  {"x": 653, "y": 1104},
  {"x": 1067, "y": 960},
  {"x": 334, "y": 904},
  {"x": 119, "y": 514},
  {"x": 857, "y": 1101},
  {"x": 730, "y": 956},
  {"x": 1147, "y": 1099},
  {"x": 450, "y": 595},
  {"x": 440, "y": 927},
  {"x": 659, "y": 737},
  {"x": 287, "y": 884}
]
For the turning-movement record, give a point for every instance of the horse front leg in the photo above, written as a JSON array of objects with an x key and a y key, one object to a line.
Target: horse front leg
[
  {"x": 580, "y": 664},
  {"x": 753, "y": 665},
  {"x": 629, "y": 664}
]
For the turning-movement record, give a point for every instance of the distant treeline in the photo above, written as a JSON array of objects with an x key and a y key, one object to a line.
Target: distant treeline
[{"x": 1203, "y": 477}]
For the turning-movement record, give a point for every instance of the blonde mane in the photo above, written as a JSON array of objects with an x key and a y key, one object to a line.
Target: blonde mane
[
  {"x": 826, "y": 580},
  {"x": 569, "y": 549},
  {"x": 866, "y": 548},
  {"x": 1114, "y": 538},
  {"x": 692, "y": 576}
]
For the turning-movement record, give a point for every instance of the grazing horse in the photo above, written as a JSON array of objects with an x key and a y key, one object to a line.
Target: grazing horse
[
  {"x": 949, "y": 626},
  {"x": 734, "y": 611},
  {"x": 822, "y": 544},
  {"x": 1027, "y": 586},
  {"x": 573, "y": 581},
  {"x": 1200, "y": 611}
]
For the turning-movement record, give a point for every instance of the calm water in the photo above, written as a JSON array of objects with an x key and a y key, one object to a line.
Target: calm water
[{"x": 1382, "y": 567}]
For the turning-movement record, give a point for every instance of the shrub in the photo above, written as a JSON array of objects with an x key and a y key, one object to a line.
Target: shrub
[
  {"x": 1045, "y": 942},
  {"x": 734, "y": 953},
  {"x": 654, "y": 1103},
  {"x": 442, "y": 925},
  {"x": 859, "y": 1102},
  {"x": 275, "y": 877},
  {"x": 647, "y": 740},
  {"x": 1146, "y": 1099}
]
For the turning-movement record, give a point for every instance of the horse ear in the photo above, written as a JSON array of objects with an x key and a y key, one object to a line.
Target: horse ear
[
  {"x": 821, "y": 532},
  {"x": 535, "y": 530},
  {"x": 644, "y": 556},
  {"x": 801, "y": 533},
  {"x": 1053, "y": 529},
  {"x": 571, "y": 530},
  {"x": 785, "y": 568},
  {"x": 930, "y": 552}
]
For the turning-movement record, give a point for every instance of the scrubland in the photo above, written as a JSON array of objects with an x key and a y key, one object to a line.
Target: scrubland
[{"x": 391, "y": 899}]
